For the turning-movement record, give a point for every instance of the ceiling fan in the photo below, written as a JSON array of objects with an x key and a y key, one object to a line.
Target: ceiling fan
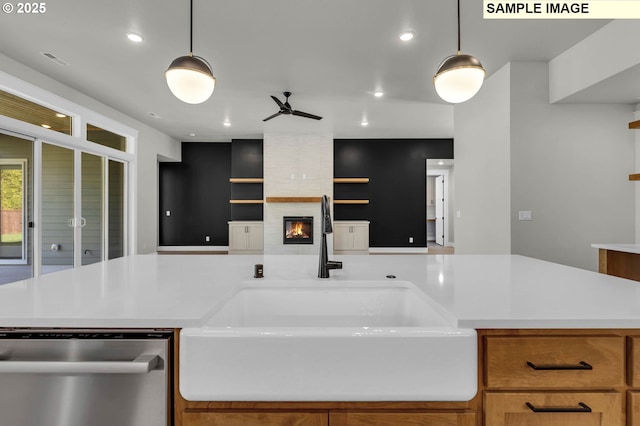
[{"x": 285, "y": 108}]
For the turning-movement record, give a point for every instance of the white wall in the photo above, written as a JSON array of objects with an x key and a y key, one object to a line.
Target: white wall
[
  {"x": 152, "y": 144},
  {"x": 296, "y": 165},
  {"x": 636, "y": 134},
  {"x": 567, "y": 164},
  {"x": 570, "y": 167},
  {"x": 482, "y": 160}
]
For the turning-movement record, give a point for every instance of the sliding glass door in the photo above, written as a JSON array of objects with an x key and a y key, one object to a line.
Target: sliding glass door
[
  {"x": 16, "y": 207},
  {"x": 91, "y": 221},
  {"x": 117, "y": 208},
  {"x": 57, "y": 207},
  {"x": 80, "y": 210}
]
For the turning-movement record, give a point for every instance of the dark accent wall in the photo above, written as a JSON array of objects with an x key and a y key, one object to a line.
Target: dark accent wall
[
  {"x": 246, "y": 162},
  {"x": 396, "y": 169},
  {"x": 197, "y": 192}
]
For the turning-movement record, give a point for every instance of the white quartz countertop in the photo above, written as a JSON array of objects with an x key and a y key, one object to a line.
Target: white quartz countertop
[
  {"x": 176, "y": 291},
  {"x": 626, "y": 248}
]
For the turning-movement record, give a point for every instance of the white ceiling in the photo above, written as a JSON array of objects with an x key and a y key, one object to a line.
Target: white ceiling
[{"x": 332, "y": 54}]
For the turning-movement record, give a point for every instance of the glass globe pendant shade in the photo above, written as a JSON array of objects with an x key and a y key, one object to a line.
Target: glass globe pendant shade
[
  {"x": 190, "y": 79},
  {"x": 459, "y": 78}
]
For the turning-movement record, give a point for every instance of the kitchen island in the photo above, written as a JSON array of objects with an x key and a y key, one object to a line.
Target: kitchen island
[
  {"x": 521, "y": 307},
  {"x": 620, "y": 260}
]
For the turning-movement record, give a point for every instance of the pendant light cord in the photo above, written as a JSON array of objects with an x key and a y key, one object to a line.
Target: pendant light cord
[
  {"x": 191, "y": 28},
  {"x": 458, "y": 26}
]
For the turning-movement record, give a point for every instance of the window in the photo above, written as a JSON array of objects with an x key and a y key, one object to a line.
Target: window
[
  {"x": 30, "y": 112},
  {"x": 74, "y": 193},
  {"x": 106, "y": 138}
]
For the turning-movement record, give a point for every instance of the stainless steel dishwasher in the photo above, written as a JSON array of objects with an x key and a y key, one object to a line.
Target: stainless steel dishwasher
[{"x": 85, "y": 377}]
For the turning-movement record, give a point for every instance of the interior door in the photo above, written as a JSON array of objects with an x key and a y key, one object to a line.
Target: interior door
[{"x": 439, "y": 201}]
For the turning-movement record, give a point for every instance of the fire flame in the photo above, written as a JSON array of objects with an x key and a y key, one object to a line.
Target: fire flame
[{"x": 297, "y": 231}]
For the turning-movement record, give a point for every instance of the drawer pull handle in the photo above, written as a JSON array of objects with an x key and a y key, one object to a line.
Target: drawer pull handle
[
  {"x": 581, "y": 366},
  {"x": 584, "y": 408}
]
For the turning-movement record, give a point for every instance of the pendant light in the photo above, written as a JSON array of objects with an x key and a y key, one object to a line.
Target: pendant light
[
  {"x": 459, "y": 77},
  {"x": 189, "y": 77}
]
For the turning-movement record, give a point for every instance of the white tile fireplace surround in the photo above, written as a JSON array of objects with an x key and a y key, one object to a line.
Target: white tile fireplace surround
[{"x": 295, "y": 165}]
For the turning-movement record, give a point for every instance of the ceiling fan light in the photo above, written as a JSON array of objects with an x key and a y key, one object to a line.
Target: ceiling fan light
[
  {"x": 458, "y": 78},
  {"x": 190, "y": 79}
]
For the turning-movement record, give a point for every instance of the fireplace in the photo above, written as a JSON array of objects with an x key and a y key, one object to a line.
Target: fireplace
[{"x": 297, "y": 230}]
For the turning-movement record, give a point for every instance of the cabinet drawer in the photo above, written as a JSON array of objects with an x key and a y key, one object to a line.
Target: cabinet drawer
[
  {"x": 554, "y": 408},
  {"x": 554, "y": 362},
  {"x": 254, "y": 418},
  {"x": 395, "y": 419}
]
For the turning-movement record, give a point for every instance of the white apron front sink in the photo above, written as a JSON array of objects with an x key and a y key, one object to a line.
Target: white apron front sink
[{"x": 336, "y": 341}]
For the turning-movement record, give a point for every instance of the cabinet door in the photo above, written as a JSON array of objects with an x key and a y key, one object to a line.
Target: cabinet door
[
  {"x": 633, "y": 409},
  {"x": 397, "y": 419},
  {"x": 254, "y": 418},
  {"x": 256, "y": 237},
  {"x": 561, "y": 408},
  {"x": 360, "y": 237},
  {"x": 341, "y": 237},
  {"x": 237, "y": 237}
]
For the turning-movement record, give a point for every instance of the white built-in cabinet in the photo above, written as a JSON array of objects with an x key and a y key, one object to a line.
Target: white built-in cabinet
[
  {"x": 351, "y": 237},
  {"x": 246, "y": 237}
]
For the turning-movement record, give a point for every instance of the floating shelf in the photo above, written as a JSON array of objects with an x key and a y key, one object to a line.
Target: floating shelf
[
  {"x": 351, "y": 202},
  {"x": 246, "y": 201},
  {"x": 635, "y": 176},
  {"x": 294, "y": 199},
  {"x": 634, "y": 124},
  {"x": 351, "y": 180},
  {"x": 246, "y": 180}
]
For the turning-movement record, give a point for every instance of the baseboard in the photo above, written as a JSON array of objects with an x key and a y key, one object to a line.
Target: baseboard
[
  {"x": 395, "y": 250},
  {"x": 192, "y": 249}
]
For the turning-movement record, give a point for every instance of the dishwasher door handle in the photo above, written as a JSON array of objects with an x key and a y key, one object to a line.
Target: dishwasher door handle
[{"x": 141, "y": 365}]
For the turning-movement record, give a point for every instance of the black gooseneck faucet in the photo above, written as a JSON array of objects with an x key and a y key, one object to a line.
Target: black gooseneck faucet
[{"x": 325, "y": 265}]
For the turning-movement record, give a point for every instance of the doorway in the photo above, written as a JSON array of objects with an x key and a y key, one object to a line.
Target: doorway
[{"x": 440, "y": 229}]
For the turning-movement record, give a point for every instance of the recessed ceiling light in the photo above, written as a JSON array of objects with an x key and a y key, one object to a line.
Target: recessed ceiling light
[
  {"x": 407, "y": 35},
  {"x": 227, "y": 123},
  {"x": 440, "y": 163},
  {"x": 60, "y": 115},
  {"x": 378, "y": 93},
  {"x": 192, "y": 134},
  {"x": 137, "y": 38},
  {"x": 364, "y": 123},
  {"x": 154, "y": 115},
  {"x": 46, "y": 126}
]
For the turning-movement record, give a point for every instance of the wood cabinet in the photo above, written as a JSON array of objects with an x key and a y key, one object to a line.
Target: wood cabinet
[
  {"x": 553, "y": 377},
  {"x": 563, "y": 362},
  {"x": 351, "y": 237},
  {"x": 254, "y": 418},
  {"x": 325, "y": 418},
  {"x": 246, "y": 237},
  {"x": 401, "y": 418},
  {"x": 633, "y": 377},
  {"x": 619, "y": 263},
  {"x": 554, "y": 408}
]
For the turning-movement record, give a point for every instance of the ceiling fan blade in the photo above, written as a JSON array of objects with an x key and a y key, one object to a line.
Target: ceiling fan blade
[
  {"x": 306, "y": 114},
  {"x": 272, "y": 116},
  {"x": 280, "y": 104}
]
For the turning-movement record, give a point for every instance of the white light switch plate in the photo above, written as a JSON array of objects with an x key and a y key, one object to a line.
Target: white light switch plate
[{"x": 524, "y": 215}]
